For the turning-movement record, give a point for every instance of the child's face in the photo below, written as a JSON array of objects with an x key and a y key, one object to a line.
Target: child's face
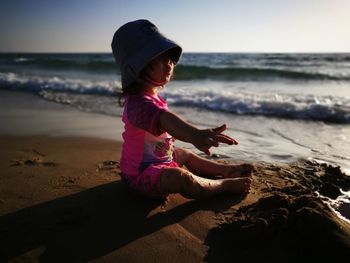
[{"x": 160, "y": 70}]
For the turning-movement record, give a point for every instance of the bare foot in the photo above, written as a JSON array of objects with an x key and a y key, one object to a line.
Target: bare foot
[
  {"x": 238, "y": 170},
  {"x": 239, "y": 185}
]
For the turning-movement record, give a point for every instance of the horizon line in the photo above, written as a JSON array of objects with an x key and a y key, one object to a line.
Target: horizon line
[{"x": 199, "y": 52}]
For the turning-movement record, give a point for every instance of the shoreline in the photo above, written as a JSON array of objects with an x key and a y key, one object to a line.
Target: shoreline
[
  {"x": 26, "y": 114},
  {"x": 261, "y": 139}
]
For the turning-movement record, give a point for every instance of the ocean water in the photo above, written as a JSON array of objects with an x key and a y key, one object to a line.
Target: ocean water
[{"x": 280, "y": 107}]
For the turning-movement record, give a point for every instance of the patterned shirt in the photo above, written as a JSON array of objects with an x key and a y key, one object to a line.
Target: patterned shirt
[{"x": 145, "y": 142}]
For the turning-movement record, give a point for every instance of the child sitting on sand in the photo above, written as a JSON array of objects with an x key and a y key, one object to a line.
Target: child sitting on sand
[{"x": 150, "y": 164}]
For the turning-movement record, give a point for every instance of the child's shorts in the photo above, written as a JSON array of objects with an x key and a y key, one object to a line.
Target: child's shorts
[{"x": 148, "y": 181}]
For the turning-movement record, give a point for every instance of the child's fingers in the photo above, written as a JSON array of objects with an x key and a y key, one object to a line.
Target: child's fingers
[
  {"x": 219, "y": 129},
  {"x": 225, "y": 139},
  {"x": 220, "y": 137},
  {"x": 234, "y": 141}
]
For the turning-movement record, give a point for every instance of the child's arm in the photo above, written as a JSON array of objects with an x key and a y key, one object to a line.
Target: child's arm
[{"x": 202, "y": 139}]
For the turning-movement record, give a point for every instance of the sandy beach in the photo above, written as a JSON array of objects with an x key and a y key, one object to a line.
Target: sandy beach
[{"x": 61, "y": 200}]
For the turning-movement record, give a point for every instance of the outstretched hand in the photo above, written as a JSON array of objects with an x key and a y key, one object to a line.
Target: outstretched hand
[
  {"x": 184, "y": 131},
  {"x": 207, "y": 138}
]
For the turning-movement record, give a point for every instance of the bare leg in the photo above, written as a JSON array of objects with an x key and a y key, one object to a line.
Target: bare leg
[
  {"x": 202, "y": 166},
  {"x": 178, "y": 180}
]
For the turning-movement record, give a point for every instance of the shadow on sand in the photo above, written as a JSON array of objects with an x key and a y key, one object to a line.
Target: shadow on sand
[{"x": 90, "y": 224}]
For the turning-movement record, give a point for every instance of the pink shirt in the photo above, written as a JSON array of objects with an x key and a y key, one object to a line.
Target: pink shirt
[{"x": 144, "y": 142}]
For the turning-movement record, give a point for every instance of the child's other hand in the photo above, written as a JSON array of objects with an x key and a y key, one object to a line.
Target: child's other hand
[{"x": 207, "y": 138}]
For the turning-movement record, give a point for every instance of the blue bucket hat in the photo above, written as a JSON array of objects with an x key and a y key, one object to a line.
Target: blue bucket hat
[{"x": 137, "y": 43}]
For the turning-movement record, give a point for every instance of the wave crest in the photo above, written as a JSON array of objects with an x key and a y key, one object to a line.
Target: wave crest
[{"x": 331, "y": 109}]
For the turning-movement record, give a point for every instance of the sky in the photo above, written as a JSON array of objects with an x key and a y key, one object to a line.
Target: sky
[{"x": 197, "y": 25}]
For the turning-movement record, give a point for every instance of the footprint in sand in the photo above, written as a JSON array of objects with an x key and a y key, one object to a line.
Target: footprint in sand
[{"x": 31, "y": 160}]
